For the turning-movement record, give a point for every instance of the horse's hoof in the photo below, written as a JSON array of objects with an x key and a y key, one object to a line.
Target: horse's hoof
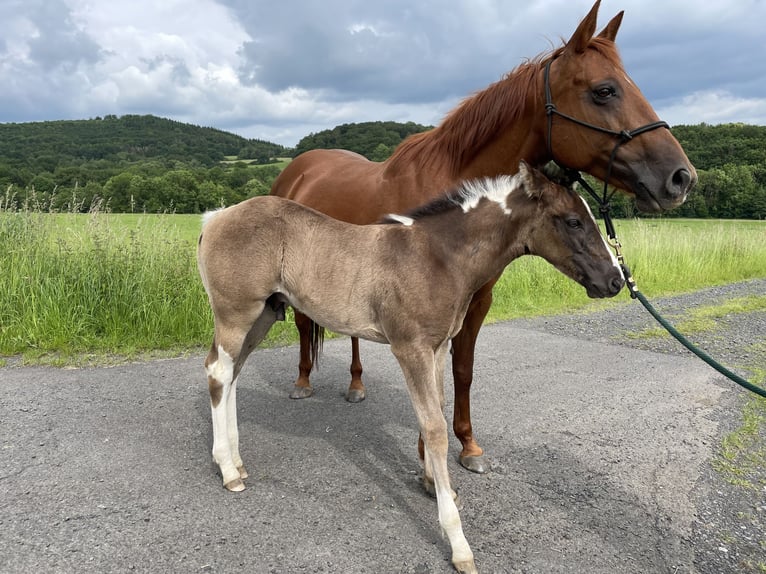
[
  {"x": 242, "y": 472},
  {"x": 428, "y": 486},
  {"x": 466, "y": 567},
  {"x": 355, "y": 395},
  {"x": 458, "y": 501},
  {"x": 235, "y": 485},
  {"x": 477, "y": 464},
  {"x": 301, "y": 392}
]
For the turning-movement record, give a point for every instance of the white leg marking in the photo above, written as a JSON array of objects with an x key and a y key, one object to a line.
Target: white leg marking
[
  {"x": 222, "y": 370},
  {"x": 233, "y": 429},
  {"x": 449, "y": 517}
]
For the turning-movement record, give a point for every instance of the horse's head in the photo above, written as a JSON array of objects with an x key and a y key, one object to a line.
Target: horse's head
[
  {"x": 588, "y": 85},
  {"x": 564, "y": 233}
]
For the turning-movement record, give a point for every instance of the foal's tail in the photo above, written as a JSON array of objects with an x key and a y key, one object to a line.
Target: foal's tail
[{"x": 316, "y": 340}]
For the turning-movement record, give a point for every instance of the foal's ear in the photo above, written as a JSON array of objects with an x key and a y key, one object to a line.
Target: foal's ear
[
  {"x": 610, "y": 32},
  {"x": 534, "y": 182},
  {"x": 582, "y": 36}
]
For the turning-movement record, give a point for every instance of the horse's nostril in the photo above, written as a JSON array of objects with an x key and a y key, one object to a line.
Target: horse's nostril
[
  {"x": 616, "y": 284},
  {"x": 680, "y": 181}
]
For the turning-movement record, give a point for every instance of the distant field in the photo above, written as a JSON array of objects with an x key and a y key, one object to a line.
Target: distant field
[
  {"x": 281, "y": 163},
  {"x": 104, "y": 285}
]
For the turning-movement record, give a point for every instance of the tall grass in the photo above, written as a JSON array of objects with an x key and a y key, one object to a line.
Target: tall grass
[
  {"x": 665, "y": 256},
  {"x": 70, "y": 286},
  {"x": 74, "y": 285}
]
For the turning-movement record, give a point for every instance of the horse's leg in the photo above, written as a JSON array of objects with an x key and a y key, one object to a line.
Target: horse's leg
[
  {"x": 356, "y": 391},
  {"x": 219, "y": 366},
  {"x": 231, "y": 346},
  {"x": 420, "y": 372},
  {"x": 256, "y": 334},
  {"x": 302, "y": 388},
  {"x": 463, "y": 347}
]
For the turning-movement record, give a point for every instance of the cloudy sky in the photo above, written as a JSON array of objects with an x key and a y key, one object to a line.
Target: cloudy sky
[{"x": 280, "y": 69}]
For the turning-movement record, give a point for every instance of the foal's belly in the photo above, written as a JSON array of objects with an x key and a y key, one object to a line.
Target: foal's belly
[{"x": 353, "y": 320}]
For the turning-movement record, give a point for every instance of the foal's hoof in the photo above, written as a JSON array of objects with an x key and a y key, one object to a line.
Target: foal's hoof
[
  {"x": 428, "y": 486},
  {"x": 466, "y": 567},
  {"x": 235, "y": 485},
  {"x": 355, "y": 395},
  {"x": 301, "y": 392},
  {"x": 242, "y": 472},
  {"x": 477, "y": 464}
]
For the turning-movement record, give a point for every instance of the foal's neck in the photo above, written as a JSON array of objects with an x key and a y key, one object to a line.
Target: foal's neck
[{"x": 480, "y": 241}]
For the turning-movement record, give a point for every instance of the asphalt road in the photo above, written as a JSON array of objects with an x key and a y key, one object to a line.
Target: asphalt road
[{"x": 597, "y": 452}]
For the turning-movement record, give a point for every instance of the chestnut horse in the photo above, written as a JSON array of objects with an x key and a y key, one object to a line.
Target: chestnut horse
[
  {"x": 582, "y": 124},
  {"x": 415, "y": 278}
]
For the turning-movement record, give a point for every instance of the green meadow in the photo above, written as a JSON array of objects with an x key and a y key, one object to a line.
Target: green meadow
[{"x": 101, "y": 287}]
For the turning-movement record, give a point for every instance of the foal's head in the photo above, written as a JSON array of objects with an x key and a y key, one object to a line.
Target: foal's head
[{"x": 561, "y": 229}]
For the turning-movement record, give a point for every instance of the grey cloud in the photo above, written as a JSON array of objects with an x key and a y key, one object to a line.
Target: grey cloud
[
  {"x": 400, "y": 51},
  {"x": 58, "y": 43}
]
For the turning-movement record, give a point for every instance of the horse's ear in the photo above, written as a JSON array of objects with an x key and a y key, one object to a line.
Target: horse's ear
[
  {"x": 582, "y": 36},
  {"x": 533, "y": 181},
  {"x": 610, "y": 32}
]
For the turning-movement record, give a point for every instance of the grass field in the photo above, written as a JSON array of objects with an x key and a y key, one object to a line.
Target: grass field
[{"x": 101, "y": 287}]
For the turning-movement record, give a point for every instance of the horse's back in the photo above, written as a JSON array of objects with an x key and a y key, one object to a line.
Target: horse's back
[{"x": 339, "y": 183}]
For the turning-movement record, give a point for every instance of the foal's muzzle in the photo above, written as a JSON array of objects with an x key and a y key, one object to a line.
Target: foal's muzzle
[{"x": 608, "y": 286}]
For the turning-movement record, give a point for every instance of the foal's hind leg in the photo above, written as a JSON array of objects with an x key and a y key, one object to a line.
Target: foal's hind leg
[
  {"x": 421, "y": 372},
  {"x": 231, "y": 346}
]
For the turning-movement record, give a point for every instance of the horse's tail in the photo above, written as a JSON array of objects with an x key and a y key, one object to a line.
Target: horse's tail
[{"x": 316, "y": 340}]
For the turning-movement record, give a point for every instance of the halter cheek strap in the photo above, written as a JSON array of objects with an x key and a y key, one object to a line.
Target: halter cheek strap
[{"x": 622, "y": 136}]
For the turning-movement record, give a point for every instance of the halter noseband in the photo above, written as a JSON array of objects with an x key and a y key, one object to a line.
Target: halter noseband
[{"x": 623, "y": 137}]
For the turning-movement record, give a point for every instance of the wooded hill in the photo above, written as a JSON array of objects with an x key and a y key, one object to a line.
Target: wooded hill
[
  {"x": 146, "y": 163},
  {"x": 42, "y": 146}
]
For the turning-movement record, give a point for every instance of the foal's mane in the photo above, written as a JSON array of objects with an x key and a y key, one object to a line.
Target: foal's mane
[
  {"x": 465, "y": 193},
  {"x": 478, "y": 119}
]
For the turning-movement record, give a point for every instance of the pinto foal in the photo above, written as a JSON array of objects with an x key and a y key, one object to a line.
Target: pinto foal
[{"x": 406, "y": 282}]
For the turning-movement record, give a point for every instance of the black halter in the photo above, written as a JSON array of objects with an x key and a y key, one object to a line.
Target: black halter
[{"x": 622, "y": 137}]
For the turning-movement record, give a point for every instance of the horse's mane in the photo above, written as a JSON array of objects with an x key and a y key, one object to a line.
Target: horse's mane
[
  {"x": 478, "y": 119},
  {"x": 468, "y": 192}
]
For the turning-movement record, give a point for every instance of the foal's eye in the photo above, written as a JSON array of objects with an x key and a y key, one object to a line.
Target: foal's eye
[
  {"x": 603, "y": 93},
  {"x": 574, "y": 223}
]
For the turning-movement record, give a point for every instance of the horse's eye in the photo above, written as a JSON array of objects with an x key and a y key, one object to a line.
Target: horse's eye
[
  {"x": 603, "y": 93},
  {"x": 574, "y": 223}
]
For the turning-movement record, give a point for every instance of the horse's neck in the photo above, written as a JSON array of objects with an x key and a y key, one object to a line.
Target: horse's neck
[
  {"x": 487, "y": 135},
  {"x": 503, "y": 154}
]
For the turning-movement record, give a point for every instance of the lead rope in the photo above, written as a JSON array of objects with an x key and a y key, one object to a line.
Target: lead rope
[
  {"x": 604, "y": 206},
  {"x": 605, "y": 209}
]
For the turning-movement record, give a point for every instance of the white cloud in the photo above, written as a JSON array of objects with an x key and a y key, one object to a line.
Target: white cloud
[
  {"x": 279, "y": 70},
  {"x": 715, "y": 107}
]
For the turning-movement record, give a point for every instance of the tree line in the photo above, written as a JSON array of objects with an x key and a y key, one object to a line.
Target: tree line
[{"x": 151, "y": 164}]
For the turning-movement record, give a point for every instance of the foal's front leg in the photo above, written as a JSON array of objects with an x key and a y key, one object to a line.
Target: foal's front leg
[{"x": 421, "y": 371}]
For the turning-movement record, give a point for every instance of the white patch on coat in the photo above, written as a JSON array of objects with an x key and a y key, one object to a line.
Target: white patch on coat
[
  {"x": 606, "y": 243},
  {"x": 403, "y": 219},
  {"x": 496, "y": 189},
  {"x": 222, "y": 369}
]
